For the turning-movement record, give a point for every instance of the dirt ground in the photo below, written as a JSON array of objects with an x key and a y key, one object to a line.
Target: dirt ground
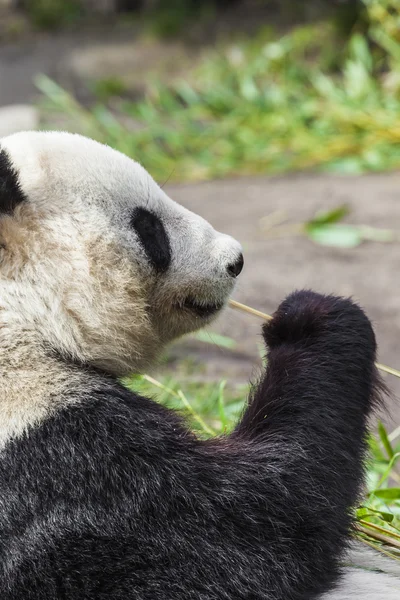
[{"x": 275, "y": 267}]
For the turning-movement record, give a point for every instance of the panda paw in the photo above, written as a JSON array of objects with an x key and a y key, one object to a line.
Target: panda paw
[{"x": 305, "y": 316}]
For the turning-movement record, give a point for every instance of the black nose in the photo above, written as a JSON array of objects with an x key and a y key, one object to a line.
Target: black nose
[{"x": 234, "y": 269}]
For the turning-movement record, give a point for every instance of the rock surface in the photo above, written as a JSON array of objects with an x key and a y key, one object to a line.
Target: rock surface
[
  {"x": 18, "y": 117},
  {"x": 77, "y": 60}
]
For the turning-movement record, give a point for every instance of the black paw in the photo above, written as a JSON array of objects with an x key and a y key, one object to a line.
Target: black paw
[{"x": 304, "y": 316}]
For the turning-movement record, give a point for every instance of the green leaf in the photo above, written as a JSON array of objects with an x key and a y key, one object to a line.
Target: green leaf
[
  {"x": 389, "y": 469},
  {"x": 339, "y": 236},
  {"x": 221, "y": 406},
  {"x": 387, "y": 494},
  {"x": 389, "y": 43},
  {"x": 365, "y": 512},
  {"x": 376, "y": 234},
  {"x": 350, "y": 165},
  {"x": 385, "y": 516},
  {"x": 375, "y": 449},
  {"x": 357, "y": 81},
  {"x": 360, "y": 51},
  {"x": 248, "y": 89},
  {"x": 327, "y": 217},
  {"x": 209, "y": 337},
  {"x": 187, "y": 93},
  {"x": 325, "y": 85},
  {"x": 385, "y": 440}
]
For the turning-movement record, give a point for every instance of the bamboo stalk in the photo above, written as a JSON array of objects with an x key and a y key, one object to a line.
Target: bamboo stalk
[
  {"x": 389, "y": 370},
  {"x": 378, "y": 528},
  {"x": 378, "y": 548},
  {"x": 181, "y": 396},
  {"x": 248, "y": 309},
  {"x": 378, "y": 536}
]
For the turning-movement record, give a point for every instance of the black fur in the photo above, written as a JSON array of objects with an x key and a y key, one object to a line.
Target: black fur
[
  {"x": 10, "y": 189},
  {"x": 153, "y": 238},
  {"x": 114, "y": 499}
]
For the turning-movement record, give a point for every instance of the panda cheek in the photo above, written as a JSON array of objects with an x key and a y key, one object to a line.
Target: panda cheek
[{"x": 153, "y": 238}]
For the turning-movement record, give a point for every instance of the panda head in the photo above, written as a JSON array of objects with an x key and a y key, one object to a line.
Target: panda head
[{"x": 96, "y": 261}]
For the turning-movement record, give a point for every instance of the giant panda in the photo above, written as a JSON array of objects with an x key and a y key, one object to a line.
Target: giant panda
[{"x": 106, "y": 495}]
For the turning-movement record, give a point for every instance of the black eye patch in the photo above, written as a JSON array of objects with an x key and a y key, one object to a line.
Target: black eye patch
[
  {"x": 10, "y": 190},
  {"x": 153, "y": 237}
]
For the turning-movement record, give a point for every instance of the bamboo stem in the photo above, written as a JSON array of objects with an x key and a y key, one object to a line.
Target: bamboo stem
[
  {"x": 181, "y": 396},
  {"x": 248, "y": 309},
  {"x": 378, "y": 548},
  {"x": 378, "y": 528},
  {"x": 378, "y": 536},
  {"x": 389, "y": 370}
]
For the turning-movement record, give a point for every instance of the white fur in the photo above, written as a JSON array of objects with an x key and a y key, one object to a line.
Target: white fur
[
  {"x": 75, "y": 278},
  {"x": 357, "y": 584},
  {"x": 368, "y": 575}
]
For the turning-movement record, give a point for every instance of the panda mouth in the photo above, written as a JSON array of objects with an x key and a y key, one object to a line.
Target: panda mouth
[{"x": 201, "y": 309}]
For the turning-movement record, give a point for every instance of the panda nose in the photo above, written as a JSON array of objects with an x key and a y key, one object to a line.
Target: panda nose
[{"x": 234, "y": 269}]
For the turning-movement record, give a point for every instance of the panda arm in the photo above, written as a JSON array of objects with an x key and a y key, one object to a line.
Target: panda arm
[
  {"x": 265, "y": 513},
  {"x": 304, "y": 435}
]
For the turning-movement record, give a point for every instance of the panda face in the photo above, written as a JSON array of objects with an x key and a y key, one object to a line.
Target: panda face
[{"x": 96, "y": 260}]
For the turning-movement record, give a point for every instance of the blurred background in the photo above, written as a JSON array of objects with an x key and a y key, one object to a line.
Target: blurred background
[{"x": 277, "y": 120}]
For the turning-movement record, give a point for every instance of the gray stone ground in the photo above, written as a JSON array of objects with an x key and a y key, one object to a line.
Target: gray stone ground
[
  {"x": 77, "y": 59},
  {"x": 273, "y": 267}
]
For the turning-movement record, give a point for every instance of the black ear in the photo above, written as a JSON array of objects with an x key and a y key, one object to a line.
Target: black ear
[{"x": 10, "y": 189}]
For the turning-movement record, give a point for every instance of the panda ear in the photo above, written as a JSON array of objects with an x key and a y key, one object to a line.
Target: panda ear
[{"x": 11, "y": 193}]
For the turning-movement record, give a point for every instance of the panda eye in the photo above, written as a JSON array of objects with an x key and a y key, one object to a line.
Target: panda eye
[{"x": 153, "y": 238}]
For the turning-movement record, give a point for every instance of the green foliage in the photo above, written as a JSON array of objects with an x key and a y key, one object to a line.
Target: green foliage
[
  {"x": 266, "y": 105},
  {"x": 211, "y": 408},
  {"x": 215, "y": 338},
  {"x": 50, "y": 14},
  {"x": 325, "y": 229},
  {"x": 380, "y": 514},
  {"x": 170, "y": 17},
  {"x": 109, "y": 87}
]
